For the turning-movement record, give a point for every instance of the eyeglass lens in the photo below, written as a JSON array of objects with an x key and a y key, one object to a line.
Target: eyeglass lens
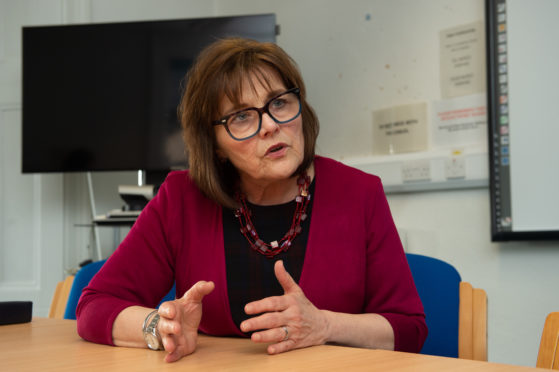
[{"x": 282, "y": 109}]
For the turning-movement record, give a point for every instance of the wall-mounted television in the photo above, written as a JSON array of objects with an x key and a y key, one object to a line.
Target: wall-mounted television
[{"x": 103, "y": 97}]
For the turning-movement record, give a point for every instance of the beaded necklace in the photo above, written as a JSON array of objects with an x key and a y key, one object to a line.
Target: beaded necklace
[{"x": 274, "y": 248}]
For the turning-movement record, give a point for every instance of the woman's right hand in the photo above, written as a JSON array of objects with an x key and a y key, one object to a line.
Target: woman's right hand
[{"x": 179, "y": 320}]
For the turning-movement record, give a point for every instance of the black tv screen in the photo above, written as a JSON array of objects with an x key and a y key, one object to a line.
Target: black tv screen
[{"x": 103, "y": 97}]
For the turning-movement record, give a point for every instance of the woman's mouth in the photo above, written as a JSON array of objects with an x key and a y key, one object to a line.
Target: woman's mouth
[{"x": 276, "y": 149}]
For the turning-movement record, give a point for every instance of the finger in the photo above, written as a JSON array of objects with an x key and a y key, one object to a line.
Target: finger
[
  {"x": 180, "y": 350},
  {"x": 270, "y": 335},
  {"x": 284, "y": 279},
  {"x": 173, "y": 356},
  {"x": 264, "y": 321},
  {"x": 281, "y": 347},
  {"x": 273, "y": 303},
  {"x": 169, "y": 343},
  {"x": 169, "y": 327},
  {"x": 197, "y": 292},
  {"x": 167, "y": 310}
]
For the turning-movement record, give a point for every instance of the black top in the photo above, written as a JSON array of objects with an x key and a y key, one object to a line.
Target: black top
[{"x": 250, "y": 275}]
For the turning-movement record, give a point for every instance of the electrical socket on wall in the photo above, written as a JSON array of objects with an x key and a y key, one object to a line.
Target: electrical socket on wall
[
  {"x": 418, "y": 170},
  {"x": 455, "y": 167}
]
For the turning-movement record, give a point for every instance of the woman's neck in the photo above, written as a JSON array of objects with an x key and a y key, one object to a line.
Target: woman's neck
[{"x": 272, "y": 192}]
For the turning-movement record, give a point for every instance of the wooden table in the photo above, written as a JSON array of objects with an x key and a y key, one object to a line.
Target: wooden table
[{"x": 54, "y": 345}]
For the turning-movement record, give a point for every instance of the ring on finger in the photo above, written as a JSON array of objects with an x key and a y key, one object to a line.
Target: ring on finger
[{"x": 286, "y": 333}]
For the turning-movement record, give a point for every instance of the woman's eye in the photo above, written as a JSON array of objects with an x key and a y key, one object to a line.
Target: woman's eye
[
  {"x": 278, "y": 103},
  {"x": 240, "y": 117}
]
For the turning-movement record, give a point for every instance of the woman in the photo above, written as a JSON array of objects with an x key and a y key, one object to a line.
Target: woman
[{"x": 286, "y": 247}]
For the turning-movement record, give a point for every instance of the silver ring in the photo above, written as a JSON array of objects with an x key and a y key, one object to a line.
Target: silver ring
[{"x": 286, "y": 333}]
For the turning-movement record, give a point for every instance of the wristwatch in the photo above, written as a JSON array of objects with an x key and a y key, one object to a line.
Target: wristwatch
[{"x": 151, "y": 334}]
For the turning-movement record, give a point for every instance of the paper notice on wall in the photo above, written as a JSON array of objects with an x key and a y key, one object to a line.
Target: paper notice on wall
[
  {"x": 400, "y": 129},
  {"x": 462, "y": 52},
  {"x": 460, "y": 121}
]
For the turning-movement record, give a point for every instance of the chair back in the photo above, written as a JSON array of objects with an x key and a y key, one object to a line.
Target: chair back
[
  {"x": 82, "y": 279},
  {"x": 60, "y": 298},
  {"x": 548, "y": 355},
  {"x": 472, "y": 323},
  {"x": 438, "y": 283}
]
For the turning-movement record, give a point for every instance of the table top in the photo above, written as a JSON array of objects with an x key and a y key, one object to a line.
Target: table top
[{"x": 53, "y": 344}]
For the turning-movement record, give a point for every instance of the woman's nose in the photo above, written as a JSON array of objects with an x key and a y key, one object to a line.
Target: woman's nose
[{"x": 268, "y": 125}]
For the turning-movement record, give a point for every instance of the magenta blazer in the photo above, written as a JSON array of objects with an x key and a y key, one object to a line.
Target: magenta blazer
[{"x": 354, "y": 261}]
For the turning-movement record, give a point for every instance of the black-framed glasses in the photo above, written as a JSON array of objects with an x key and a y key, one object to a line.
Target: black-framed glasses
[{"x": 246, "y": 123}]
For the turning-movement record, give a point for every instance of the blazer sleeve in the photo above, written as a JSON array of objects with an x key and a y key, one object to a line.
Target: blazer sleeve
[
  {"x": 140, "y": 272},
  {"x": 390, "y": 290}
]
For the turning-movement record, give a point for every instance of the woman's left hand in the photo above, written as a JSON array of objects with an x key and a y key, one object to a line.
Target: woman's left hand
[{"x": 288, "y": 322}]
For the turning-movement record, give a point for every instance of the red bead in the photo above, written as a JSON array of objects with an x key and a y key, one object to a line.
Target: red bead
[{"x": 286, "y": 244}]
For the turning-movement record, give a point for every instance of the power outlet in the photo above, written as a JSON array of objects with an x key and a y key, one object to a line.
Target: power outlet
[
  {"x": 419, "y": 170},
  {"x": 455, "y": 167}
]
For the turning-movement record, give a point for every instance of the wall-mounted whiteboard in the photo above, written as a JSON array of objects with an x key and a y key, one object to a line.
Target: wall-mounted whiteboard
[{"x": 523, "y": 55}]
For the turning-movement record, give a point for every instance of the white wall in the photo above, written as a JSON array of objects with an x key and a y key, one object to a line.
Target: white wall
[
  {"x": 31, "y": 209},
  {"x": 361, "y": 55},
  {"x": 357, "y": 56}
]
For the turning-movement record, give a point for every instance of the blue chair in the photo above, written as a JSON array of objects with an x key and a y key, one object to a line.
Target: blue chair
[
  {"x": 456, "y": 314},
  {"x": 82, "y": 279}
]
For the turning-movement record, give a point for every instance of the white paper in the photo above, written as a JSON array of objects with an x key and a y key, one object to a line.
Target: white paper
[
  {"x": 400, "y": 129},
  {"x": 462, "y": 60},
  {"x": 460, "y": 121}
]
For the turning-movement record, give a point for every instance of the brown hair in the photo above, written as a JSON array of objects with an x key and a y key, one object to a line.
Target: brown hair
[{"x": 218, "y": 72}]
